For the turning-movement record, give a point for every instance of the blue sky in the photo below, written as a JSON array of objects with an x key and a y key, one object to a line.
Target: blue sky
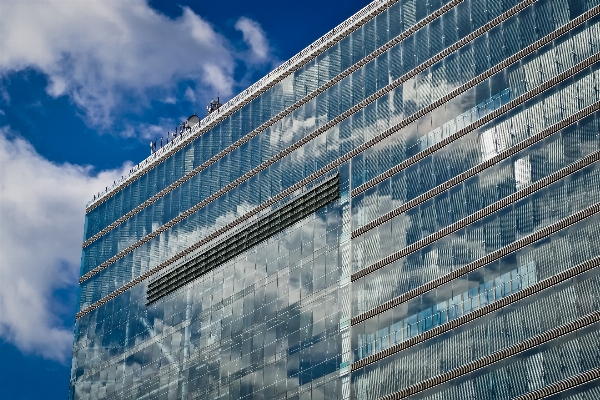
[{"x": 84, "y": 86}]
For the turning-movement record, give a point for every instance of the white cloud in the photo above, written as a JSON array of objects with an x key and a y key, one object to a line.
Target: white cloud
[
  {"x": 156, "y": 131},
  {"x": 42, "y": 208},
  {"x": 190, "y": 95},
  {"x": 100, "y": 52},
  {"x": 255, "y": 39}
]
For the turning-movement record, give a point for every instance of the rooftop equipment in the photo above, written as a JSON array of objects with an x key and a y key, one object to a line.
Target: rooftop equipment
[{"x": 213, "y": 106}]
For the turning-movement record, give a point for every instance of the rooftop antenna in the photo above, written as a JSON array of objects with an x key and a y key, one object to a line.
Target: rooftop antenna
[{"x": 214, "y": 105}]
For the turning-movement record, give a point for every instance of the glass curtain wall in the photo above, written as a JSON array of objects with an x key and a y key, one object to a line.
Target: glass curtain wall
[{"x": 458, "y": 261}]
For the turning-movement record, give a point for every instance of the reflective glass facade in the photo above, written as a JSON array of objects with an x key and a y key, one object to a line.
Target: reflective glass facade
[{"x": 413, "y": 211}]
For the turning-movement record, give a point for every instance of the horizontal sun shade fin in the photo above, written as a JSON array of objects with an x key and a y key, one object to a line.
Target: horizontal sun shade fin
[{"x": 241, "y": 241}]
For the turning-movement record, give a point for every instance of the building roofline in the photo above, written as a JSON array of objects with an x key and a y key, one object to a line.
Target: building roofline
[{"x": 246, "y": 96}]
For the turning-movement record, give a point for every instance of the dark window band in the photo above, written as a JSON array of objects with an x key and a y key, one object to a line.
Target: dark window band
[
  {"x": 195, "y": 246},
  {"x": 246, "y": 238},
  {"x": 467, "y": 39},
  {"x": 478, "y": 168},
  {"x": 535, "y": 341}
]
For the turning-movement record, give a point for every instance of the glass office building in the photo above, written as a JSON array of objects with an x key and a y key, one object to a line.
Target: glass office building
[{"x": 409, "y": 208}]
